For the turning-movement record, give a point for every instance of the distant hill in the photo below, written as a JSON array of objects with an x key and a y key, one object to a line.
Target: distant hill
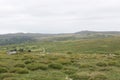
[
  {"x": 14, "y": 39},
  {"x": 17, "y": 38},
  {"x": 99, "y": 32}
]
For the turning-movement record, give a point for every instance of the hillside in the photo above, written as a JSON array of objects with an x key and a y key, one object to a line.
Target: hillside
[
  {"x": 94, "y": 45},
  {"x": 84, "y": 59},
  {"x": 81, "y": 58},
  {"x": 17, "y": 38}
]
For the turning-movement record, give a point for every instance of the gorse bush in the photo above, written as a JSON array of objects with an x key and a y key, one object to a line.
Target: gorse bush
[
  {"x": 105, "y": 69},
  {"x": 33, "y": 66},
  {"x": 28, "y": 61},
  {"x": 19, "y": 65},
  {"x": 69, "y": 70},
  {"x": 10, "y": 78},
  {"x": 102, "y": 64},
  {"x": 19, "y": 70},
  {"x": 80, "y": 76},
  {"x": 114, "y": 63},
  {"x": 63, "y": 61},
  {"x": 43, "y": 67},
  {"x": 84, "y": 65},
  {"x": 2, "y": 64},
  {"x": 3, "y": 70},
  {"x": 88, "y": 76},
  {"x": 7, "y": 75},
  {"x": 98, "y": 76},
  {"x": 69, "y": 52},
  {"x": 55, "y": 66}
]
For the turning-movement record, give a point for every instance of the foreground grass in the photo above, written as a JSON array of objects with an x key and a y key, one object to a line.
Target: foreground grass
[{"x": 58, "y": 66}]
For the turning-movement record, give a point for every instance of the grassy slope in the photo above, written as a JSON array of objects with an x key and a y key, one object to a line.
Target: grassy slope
[
  {"x": 56, "y": 66},
  {"x": 35, "y": 66},
  {"x": 106, "y": 45},
  {"x": 18, "y": 38}
]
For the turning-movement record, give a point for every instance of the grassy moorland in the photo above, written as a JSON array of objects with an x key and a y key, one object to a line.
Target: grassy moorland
[
  {"x": 58, "y": 66},
  {"x": 87, "y": 59},
  {"x": 104, "y": 45}
]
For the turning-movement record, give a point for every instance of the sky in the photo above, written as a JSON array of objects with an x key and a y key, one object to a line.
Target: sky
[{"x": 59, "y": 16}]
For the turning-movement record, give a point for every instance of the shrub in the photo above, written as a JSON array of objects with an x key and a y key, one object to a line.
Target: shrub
[
  {"x": 69, "y": 52},
  {"x": 45, "y": 61},
  {"x": 105, "y": 69},
  {"x": 3, "y": 70},
  {"x": 80, "y": 76},
  {"x": 28, "y": 61},
  {"x": 19, "y": 65},
  {"x": 19, "y": 70},
  {"x": 53, "y": 58},
  {"x": 7, "y": 75},
  {"x": 13, "y": 78},
  {"x": 56, "y": 66},
  {"x": 10, "y": 78},
  {"x": 98, "y": 76},
  {"x": 2, "y": 64},
  {"x": 92, "y": 68},
  {"x": 64, "y": 61},
  {"x": 102, "y": 64},
  {"x": 43, "y": 67},
  {"x": 85, "y": 65},
  {"x": 113, "y": 63},
  {"x": 34, "y": 66},
  {"x": 69, "y": 70}
]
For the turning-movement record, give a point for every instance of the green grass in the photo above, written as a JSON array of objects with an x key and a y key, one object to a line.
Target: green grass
[
  {"x": 76, "y": 66},
  {"x": 105, "y": 45},
  {"x": 94, "y": 59}
]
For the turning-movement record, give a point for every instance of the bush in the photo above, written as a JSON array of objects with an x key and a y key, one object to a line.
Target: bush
[
  {"x": 69, "y": 52},
  {"x": 85, "y": 65},
  {"x": 113, "y": 63},
  {"x": 3, "y": 70},
  {"x": 10, "y": 78},
  {"x": 56, "y": 66},
  {"x": 63, "y": 61},
  {"x": 102, "y": 64},
  {"x": 7, "y": 75},
  {"x": 19, "y": 70},
  {"x": 43, "y": 67},
  {"x": 69, "y": 70},
  {"x": 28, "y": 61},
  {"x": 19, "y": 65},
  {"x": 80, "y": 76},
  {"x": 98, "y": 76},
  {"x": 105, "y": 69},
  {"x": 13, "y": 78},
  {"x": 34, "y": 66},
  {"x": 2, "y": 64}
]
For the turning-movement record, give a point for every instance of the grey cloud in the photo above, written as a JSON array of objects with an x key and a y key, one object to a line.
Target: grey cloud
[{"x": 56, "y": 16}]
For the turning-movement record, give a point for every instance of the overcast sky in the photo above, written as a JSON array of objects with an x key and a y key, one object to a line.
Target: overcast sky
[{"x": 59, "y": 16}]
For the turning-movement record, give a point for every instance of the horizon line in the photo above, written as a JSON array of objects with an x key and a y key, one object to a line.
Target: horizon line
[{"x": 60, "y": 32}]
